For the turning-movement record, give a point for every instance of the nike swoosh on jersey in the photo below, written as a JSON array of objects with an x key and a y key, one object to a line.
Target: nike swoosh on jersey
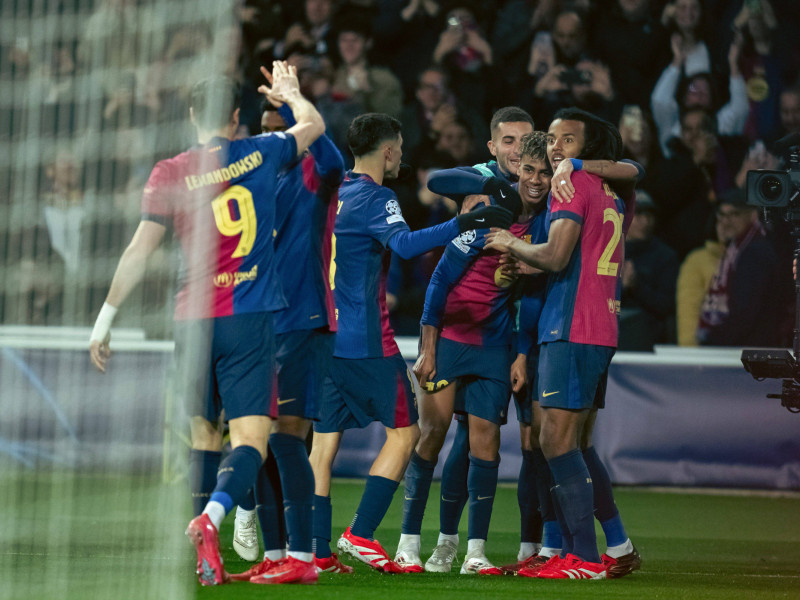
[
  {"x": 546, "y": 394},
  {"x": 502, "y": 195},
  {"x": 484, "y": 497},
  {"x": 280, "y": 402},
  {"x": 448, "y": 499}
]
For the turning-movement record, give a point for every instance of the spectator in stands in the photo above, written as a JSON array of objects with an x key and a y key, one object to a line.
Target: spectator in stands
[
  {"x": 762, "y": 67},
  {"x": 64, "y": 210},
  {"x": 683, "y": 189},
  {"x": 629, "y": 24},
  {"x": 694, "y": 278},
  {"x": 433, "y": 107},
  {"x": 406, "y": 32},
  {"x": 465, "y": 54},
  {"x": 741, "y": 307},
  {"x": 671, "y": 95},
  {"x": 640, "y": 143},
  {"x": 648, "y": 282},
  {"x": 575, "y": 78},
  {"x": 374, "y": 89},
  {"x": 313, "y": 32},
  {"x": 454, "y": 146},
  {"x": 684, "y": 21}
]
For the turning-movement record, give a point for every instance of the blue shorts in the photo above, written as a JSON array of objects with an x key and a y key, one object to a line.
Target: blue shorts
[
  {"x": 573, "y": 376},
  {"x": 358, "y": 391},
  {"x": 525, "y": 398},
  {"x": 482, "y": 373},
  {"x": 227, "y": 362},
  {"x": 302, "y": 359}
]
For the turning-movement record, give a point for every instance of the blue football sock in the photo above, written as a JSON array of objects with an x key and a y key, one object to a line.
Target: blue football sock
[
  {"x": 237, "y": 474},
  {"x": 269, "y": 507},
  {"x": 375, "y": 501},
  {"x": 249, "y": 501},
  {"x": 551, "y": 530},
  {"x": 203, "y": 467},
  {"x": 605, "y": 509},
  {"x": 576, "y": 501},
  {"x": 419, "y": 475},
  {"x": 563, "y": 528},
  {"x": 454, "y": 481},
  {"x": 482, "y": 486},
  {"x": 297, "y": 482},
  {"x": 528, "y": 500},
  {"x": 321, "y": 527}
]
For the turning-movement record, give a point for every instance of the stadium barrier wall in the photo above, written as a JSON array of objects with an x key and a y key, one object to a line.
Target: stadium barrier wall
[{"x": 676, "y": 417}]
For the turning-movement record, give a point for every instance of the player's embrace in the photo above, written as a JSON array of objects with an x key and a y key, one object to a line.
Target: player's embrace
[
  {"x": 219, "y": 197},
  {"x": 368, "y": 379}
]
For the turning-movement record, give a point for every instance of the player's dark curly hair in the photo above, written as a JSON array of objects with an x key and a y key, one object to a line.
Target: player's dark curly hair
[
  {"x": 602, "y": 139},
  {"x": 509, "y": 114},
  {"x": 368, "y": 131},
  {"x": 534, "y": 145},
  {"x": 213, "y": 101}
]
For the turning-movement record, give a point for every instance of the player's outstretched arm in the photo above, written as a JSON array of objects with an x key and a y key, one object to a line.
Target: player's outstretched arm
[
  {"x": 129, "y": 273},
  {"x": 285, "y": 87},
  {"x": 553, "y": 255},
  {"x": 624, "y": 175}
]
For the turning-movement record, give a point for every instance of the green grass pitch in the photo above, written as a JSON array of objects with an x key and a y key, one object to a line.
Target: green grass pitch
[{"x": 118, "y": 538}]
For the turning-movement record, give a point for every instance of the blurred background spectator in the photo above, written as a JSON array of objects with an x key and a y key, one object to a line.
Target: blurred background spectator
[{"x": 648, "y": 283}]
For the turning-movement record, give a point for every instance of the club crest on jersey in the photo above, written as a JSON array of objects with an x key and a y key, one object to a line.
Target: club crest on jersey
[
  {"x": 395, "y": 214},
  {"x": 463, "y": 241}
]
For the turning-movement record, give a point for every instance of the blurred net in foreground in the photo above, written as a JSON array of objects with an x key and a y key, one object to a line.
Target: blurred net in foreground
[{"x": 92, "y": 95}]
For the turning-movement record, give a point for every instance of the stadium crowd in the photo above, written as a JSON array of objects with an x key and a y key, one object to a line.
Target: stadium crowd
[{"x": 700, "y": 89}]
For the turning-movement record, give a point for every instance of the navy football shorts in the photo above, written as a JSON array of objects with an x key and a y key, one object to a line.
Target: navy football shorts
[
  {"x": 358, "y": 391},
  {"x": 227, "y": 362},
  {"x": 302, "y": 359},
  {"x": 573, "y": 376},
  {"x": 482, "y": 373}
]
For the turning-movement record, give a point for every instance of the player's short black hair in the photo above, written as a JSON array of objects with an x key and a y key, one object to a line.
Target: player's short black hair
[
  {"x": 213, "y": 101},
  {"x": 602, "y": 140},
  {"x": 534, "y": 145},
  {"x": 509, "y": 114},
  {"x": 367, "y": 131}
]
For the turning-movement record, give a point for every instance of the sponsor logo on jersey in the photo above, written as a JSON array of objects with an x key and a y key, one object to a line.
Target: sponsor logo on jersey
[
  {"x": 223, "y": 280},
  {"x": 502, "y": 280},
  {"x": 613, "y": 306}
]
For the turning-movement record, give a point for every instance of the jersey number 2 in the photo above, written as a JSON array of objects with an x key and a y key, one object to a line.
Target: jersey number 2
[
  {"x": 604, "y": 265},
  {"x": 245, "y": 225}
]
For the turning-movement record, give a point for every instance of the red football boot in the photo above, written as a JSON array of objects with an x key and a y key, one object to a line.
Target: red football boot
[
  {"x": 259, "y": 569},
  {"x": 332, "y": 564},
  {"x": 289, "y": 570},
  {"x": 572, "y": 567},
  {"x": 367, "y": 551},
  {"x": 202, "y": 533}
]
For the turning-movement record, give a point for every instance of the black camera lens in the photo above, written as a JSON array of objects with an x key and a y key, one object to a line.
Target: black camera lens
[{"x": 771, "y": 188}]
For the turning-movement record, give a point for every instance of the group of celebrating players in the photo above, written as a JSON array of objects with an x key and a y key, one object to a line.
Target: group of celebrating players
[{"x": 281, "y": 321}]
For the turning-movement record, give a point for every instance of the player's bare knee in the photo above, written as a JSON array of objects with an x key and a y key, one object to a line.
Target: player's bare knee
[
  {"x": 205, "y": 435},
  {"x": 292, "y": 425}
]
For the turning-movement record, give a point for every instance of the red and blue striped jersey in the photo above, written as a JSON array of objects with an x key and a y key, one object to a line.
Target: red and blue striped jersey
[
  {"x": 305, "y": 214},
  {"x": 583, "y": 300},
  {"x": 220, "y": 200},
  {"x": 468, "y": 297},
  {"x": 368, "y": 215}
]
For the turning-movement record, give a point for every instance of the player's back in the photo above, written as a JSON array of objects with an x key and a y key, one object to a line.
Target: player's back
[
  {"x": 220, "y": 200},
  {"x": 304, "y": 220},
  {"x": 583, "y": 300},
  {"x": 367, "y": 216}
]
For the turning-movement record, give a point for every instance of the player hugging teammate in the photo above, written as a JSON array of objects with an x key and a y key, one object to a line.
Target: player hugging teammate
[{"x": 225, "y": 198}]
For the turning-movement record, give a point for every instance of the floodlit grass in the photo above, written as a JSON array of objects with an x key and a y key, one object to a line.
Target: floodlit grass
[{"x": 115, "y": 537}]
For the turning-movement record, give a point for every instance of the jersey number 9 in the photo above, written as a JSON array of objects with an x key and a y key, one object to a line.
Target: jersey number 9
[{"x": 245, "y": 225}]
